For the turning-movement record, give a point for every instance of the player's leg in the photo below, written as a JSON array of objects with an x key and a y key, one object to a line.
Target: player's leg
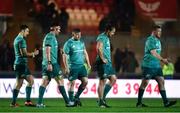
[
  {"x": 30, "y": 80},
  {"x": 42, "y": 88},
  {"x": 108, "y": 86},
  {"x": 109, "y": 73},
  {"x": 60, "y": 82},
  {"x": 71, "y": 90},
  {"x": 101, "y": 91},
  {"x": 147, "y": 75},
  {"x": 142, "y": 87},
  {"x": 160, "y": 81},
  {"x": 18, "y": 85},
  {"x": 82, "y": 86},
  {"x": 57, "y": 73}
]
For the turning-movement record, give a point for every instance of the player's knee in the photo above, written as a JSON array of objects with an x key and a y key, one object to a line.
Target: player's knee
[
  {"x": 18, "y": 86},
  {"x": 84, "y": 83},
  {"x": 31, "y": 82},
  {"x": 113, "y": 79}
]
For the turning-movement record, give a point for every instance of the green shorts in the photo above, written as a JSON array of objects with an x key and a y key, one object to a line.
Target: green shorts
[
  {"x": 21, "y": 70},
  {"x": 56, "y": 72},
  {"x": 151, "y": 73},
  {"x": 105, "y": 70},
  {"x": 77, "y": 72}
]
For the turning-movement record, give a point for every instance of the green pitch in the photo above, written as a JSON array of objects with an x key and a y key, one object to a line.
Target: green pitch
[{"x": 90, "y": 105}]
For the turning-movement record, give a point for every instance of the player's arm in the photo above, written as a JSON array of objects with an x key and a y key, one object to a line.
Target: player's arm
[
  {"x": 87, "y": 59},
  {"x": 99, "y": 48},
  {"x": 48, "y": 56},
  {"x": 155, "y": 54},
  {"x": 48, "y": 53},
  {"x": 65, "y": 62},
  {"x": 65, "y": 57},
  {"x": 24, "y": 53}
]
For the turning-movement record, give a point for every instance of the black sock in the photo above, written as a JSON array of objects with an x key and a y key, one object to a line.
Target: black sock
[{"x": 140, "y": 95}]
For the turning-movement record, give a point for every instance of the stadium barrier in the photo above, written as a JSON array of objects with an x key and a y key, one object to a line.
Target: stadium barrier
[{"x": 124, "y": 88}]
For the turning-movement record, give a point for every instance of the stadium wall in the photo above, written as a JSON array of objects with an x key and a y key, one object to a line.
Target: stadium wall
[{"x": 124, "y": 88}]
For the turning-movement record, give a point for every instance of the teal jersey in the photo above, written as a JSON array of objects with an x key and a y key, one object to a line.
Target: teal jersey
[
  {"x": 75, "y": 51},
  {"x": 149, "y": 60},
  {"x": 19, "y": 43},
  {"x": 50, "y": 40},
  {"x": 103, "y": 38}
]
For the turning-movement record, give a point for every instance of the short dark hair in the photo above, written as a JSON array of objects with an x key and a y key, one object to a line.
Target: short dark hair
[
  {"x": 155, "y": 27},
  {"x": 76, "y": 30},
  {"x": 23, "y": 27},
  {"x": 54, "y": 24},
  {"x": 109, "y": 27}
]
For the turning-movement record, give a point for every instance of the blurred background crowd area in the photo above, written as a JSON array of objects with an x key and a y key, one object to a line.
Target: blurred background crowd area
[{"x": 132, "y": 24}]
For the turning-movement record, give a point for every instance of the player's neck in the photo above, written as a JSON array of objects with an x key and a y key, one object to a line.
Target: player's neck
[{"x": 21, "y": 34}]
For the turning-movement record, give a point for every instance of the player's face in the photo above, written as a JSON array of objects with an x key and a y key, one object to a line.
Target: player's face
[
  {"x": 112, "y": 32},
  {"x": 26, "y": 32},
  {"x": 158, "y": 32},
  {"x": 77, "y": 36},
  {"x": 57, "y": 30}
]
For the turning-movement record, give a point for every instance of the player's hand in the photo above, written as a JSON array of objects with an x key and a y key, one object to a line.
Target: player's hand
[
  {"x": 49, "y": 67},
  {"x": 36, "y": 52},
  {"x": 67, "y": 71},
  {"x": 89, "y": 67},
  {"x": 165, "y": 61},
  {"x": 105, "y": 61}
]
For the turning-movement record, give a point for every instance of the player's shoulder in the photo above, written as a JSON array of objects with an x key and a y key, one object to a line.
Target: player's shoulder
[
  {"x": 101, "y": 36},
  {"x": 49, "y": 36},
  {"x": 69, "y": 41},
  {"x": 19, "y": 38},
  {"x": 150, "y": 38}
]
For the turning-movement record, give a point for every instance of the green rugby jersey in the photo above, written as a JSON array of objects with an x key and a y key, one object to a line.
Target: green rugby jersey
[
  {"x": 75, "y": 51},
  {"x": 19, "y": 43},
  {"x": 50, "y": 40},
  {"x": 106, "y": 46},
  {"x": 149, "y": 60}
]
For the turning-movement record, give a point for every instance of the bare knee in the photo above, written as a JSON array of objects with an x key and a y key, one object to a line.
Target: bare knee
[
  {"x": 30, "y": 83},
  {"x": 18, "y": 86},
  {"x": 144, "y": 83},
  {"x": 112, "y": 80},
  {"x": 60, "y": 82},
  {"x": 84, "y": 82}
]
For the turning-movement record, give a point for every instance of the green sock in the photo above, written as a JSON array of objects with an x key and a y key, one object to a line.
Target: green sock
[
  {"x": 71, "y": 95},
  {"x": 80, "y": 90},
  {"x": 63, "y": 93},
  {"x": 28, "y": 93},
  {"x": 163, "y": 95},
  {"x": 107, "y": 88},
  {"x": 140, "y": 95},
  {"x": 41, "y": 93},
  {"x": 15, "y": 94}
]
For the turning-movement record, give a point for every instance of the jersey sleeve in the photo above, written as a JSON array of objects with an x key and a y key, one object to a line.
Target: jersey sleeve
[
  {"x": 22, "y": 44},
  {"x": 48, "y": 41},
  {"x": 99, "y": 39},
  {"x": 151, "y": 44}
]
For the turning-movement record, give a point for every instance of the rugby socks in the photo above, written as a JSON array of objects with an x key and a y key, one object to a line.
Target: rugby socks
[
  {"x": 163, "y": 95},
  {"x": 15, "y": 94},
  {"x": 28, "y": 93},
  {"x": 63, "y": 93},
  {"x": 71, "y": 95},
  {"x": 140, "y": 95},
  {"x": 80, "y": 90},
  {"x": 41, "y": 93},
  {"x": 107, "y": 88}
]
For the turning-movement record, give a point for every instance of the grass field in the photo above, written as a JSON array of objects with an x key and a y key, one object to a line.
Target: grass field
[{"x": 90, "y": 105}]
